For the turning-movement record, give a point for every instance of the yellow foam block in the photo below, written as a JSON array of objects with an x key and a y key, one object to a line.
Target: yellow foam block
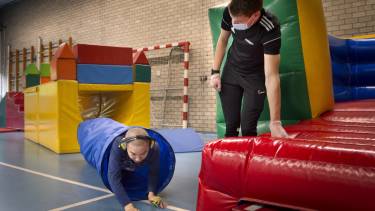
[
  {"x": 104, "y": 87},
  {"x": 59, "y": 116},
  {"x": 31, "y": 113},
  {"x": 135, "y": 106},
  {"x": 316, "y": 55}
]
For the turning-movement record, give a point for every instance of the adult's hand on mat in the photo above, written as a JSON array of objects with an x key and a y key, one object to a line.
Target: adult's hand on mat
[
  {"x": 216, "y": 82},
  {"x": 130, "y": 207},
  {"x": 277, "y": 130},
  {"x": 156, "y": 201}
]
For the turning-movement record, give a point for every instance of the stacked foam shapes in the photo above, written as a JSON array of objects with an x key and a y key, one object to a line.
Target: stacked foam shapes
[
  {"x": 14, "y": 110},
  {"x": 63, "y": 64},
  {"x": 95, "y": 138},
  {"x": 328, "y": 165},
  {"x": 141, "y": 67},
  {"x": 32, "y": 75},
  {"x": 45, "y": 73},
  {"x": 53, "y": 110},
  {"x": 306, "y": 81},
  {"x": 103, "y": 64},
  {"x": 353, "y": 66}
]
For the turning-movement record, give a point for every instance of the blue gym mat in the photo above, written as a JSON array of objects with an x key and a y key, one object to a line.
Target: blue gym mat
[{"x": 183, "y": 140}]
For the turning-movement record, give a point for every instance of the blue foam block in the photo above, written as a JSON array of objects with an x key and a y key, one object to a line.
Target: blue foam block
[
  {"x": 183, "y": 140},
  {"x": 104, "y": 74}
]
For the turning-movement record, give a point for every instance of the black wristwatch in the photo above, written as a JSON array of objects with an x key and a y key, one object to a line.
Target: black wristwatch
[{"x": 214, "y": 71}]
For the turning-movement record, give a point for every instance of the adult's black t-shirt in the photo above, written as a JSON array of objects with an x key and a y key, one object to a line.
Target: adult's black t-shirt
[{"x": 249, "y": 46}]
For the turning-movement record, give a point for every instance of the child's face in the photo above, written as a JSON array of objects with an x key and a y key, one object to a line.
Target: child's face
[{"x": 138, "y": 150}]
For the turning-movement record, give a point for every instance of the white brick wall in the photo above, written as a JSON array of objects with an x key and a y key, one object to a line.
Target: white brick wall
[
  {"x": 350, "y": 17},
  {"x": 143, "y": 23}
]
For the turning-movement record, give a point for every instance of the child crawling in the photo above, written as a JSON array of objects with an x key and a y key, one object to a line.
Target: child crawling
[{"x": 134, "y": 149}]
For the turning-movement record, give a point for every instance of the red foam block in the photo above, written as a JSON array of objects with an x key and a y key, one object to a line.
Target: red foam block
[
  {"x": 140, "y": 58},
  {"x": 95, "y": 54}
]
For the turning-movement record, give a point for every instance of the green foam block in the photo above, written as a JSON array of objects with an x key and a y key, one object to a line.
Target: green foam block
[
  {"x": 45, "y": 70},
  {"x": 32, "y": 80},
  {"x": 31, "y": 69},
  {"x": 142, "y": 73}
]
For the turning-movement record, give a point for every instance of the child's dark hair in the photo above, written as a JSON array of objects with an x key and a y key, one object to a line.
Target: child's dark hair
[{"x": 244, "y": 7}]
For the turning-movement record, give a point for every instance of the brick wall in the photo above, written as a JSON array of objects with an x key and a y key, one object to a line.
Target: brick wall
[
  {"x": 350, "y": 17},
  {"x": 144, "y": 23}
]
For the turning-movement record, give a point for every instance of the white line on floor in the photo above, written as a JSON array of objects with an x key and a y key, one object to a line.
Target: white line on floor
[
  {"x": 56, "y": 178},
  {"x": 82, "y": 202},
  {"x": 78, "y": 184}
]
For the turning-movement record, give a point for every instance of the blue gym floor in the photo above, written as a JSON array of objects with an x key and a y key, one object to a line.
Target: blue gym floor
[{"x": 34, "y": 178}]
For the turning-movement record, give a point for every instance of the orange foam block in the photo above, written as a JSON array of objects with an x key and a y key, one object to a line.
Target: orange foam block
[
  {"x": 63, "y": 64},
  {"x": 44, "y": 80}
]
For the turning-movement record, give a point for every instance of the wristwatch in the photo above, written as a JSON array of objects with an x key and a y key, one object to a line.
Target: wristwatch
[{"x": 214, "y": 71}]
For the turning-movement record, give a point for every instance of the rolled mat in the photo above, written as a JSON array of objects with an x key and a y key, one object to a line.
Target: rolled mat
[{"x": 95, "y": 137}]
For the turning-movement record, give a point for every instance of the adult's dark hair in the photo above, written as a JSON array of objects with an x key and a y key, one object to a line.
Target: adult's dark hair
[{"x": 244, "y": 7}]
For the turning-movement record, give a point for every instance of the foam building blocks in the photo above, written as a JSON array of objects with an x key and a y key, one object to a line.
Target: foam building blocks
[
  {"x": 32, "y": 75},
  {"x": 141, "y": 67},
  {"x": 45, "y": 73},
  {"x": 87, "y": 81}
]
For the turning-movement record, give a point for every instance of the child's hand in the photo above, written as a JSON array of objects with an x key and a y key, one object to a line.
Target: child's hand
[
  {"x": 156, "y": 201},
  {"x": 130, "y": 207}
]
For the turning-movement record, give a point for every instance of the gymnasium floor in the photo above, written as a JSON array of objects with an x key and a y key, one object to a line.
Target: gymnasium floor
[{"x": 34, "y": 178}]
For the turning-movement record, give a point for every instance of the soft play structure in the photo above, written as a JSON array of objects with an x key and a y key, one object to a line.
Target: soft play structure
[
  {"x": 86, "y": 82},
  {"x": 326, "y": 164},
  {"x": 306, "y": 78},
  {"x": 353, "y": 67},
  {"x": 96, "y": 137}
]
